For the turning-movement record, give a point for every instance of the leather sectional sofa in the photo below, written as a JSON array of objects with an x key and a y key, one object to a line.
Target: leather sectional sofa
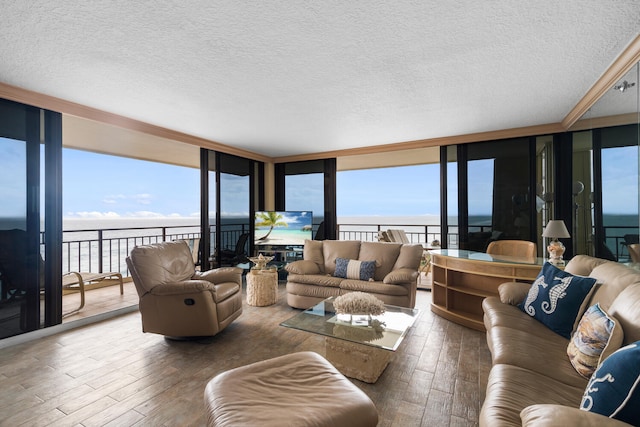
[
  {"x": 314, "y": 278},
  {"x": 532, "y": 381}
]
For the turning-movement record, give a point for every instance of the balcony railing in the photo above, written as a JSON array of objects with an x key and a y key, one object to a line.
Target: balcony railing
[{"x": 101, "y": 250}]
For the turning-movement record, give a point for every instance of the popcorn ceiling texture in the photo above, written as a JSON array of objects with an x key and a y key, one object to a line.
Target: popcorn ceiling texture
[{"x": 292, "y": 77}]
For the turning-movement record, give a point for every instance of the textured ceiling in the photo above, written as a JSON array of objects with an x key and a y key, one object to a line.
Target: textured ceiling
[{"x": 293, "y": 77}]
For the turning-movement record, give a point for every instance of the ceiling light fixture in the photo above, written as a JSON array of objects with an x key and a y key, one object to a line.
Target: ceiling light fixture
[{"x": 624, "y": 86}]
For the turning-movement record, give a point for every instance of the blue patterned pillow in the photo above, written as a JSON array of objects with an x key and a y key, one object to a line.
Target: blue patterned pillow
[
  {"x": 557, "y": 298},
  {"x": 597, "y": 336},
  {"x": 614, "y": 389},
  {"x": 353, "y": 269}
]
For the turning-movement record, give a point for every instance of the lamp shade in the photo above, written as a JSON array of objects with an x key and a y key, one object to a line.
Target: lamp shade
[{"x": 555, "y": 228}]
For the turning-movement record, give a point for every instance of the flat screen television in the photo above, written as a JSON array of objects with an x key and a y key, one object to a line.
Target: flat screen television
[{"x": 282, "y": 228}]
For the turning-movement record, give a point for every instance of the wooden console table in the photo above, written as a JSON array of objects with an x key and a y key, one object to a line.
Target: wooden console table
[{"x": 462, "y": 279}]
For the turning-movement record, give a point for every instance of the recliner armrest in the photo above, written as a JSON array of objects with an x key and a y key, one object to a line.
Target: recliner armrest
[
  {"x": 186, "y": 287},
  {"x": 401, "y": 276},
  {"x": 220, "y": 275},
  {"x": 557, "y": 415}
]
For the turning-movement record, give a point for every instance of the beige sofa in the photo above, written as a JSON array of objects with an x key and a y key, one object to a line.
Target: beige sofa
[
  {"x": 312, "y": 279},
  {"x": 532, "y": 381}
]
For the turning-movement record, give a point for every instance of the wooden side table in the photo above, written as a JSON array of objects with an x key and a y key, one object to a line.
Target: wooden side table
[{"x": 262, "y": 287}]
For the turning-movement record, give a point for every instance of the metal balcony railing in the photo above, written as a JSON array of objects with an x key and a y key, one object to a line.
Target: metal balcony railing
[{"x": 101, "y": 250}]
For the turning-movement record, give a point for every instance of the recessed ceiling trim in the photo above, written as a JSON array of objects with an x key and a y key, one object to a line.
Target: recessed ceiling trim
[
  {"x": 52, "y": 103},
  {"x": 620, "y": 66},
  {"x": 432, "y": 142}
]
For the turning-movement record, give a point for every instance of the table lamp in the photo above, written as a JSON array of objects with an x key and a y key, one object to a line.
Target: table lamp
[{"x": 555, "y": 229}]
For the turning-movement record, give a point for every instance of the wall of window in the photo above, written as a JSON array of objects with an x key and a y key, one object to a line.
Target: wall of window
[{"x": 30, "y": 218}]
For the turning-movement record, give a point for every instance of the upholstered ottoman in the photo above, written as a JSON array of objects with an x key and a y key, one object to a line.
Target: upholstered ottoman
[{"x": 299, "y": 389}]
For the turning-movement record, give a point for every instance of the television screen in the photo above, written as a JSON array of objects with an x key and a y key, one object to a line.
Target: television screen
[{"x": 283, "y": 228}]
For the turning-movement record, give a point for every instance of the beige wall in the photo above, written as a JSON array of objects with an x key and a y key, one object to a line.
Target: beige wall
[
  {"x": 418, "y": 156},
  {"x": 104, "y": 138}
]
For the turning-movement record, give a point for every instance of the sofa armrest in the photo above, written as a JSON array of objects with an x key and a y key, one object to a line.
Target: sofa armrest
[
  {"x": 220, "y": 275},
  {"x": 401, "y": 276},
  {"x": 303, "y": 266},
  {"x": 513, "y": 293},
  {"x": 186, "y": 287},
  {"x": 558, "y": 415}
]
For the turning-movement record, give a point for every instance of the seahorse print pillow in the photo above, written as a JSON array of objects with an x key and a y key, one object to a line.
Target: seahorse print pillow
[
  {"x": 614, "y": 389},
  {"x": 557, "y": 299}
]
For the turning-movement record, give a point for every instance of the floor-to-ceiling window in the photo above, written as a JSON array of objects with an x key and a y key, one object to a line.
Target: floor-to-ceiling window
[
  {"x": 231, "y": 197},
  {"x": 30, "y": 289},
  {"x": 494, "y": 192},
  {"x": 309, "y": 186},
  {"x": 404, "y": 197}
]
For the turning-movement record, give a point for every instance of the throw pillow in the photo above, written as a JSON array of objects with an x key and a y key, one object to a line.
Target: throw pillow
[
  {"x": 614, "y": 389},
  {"x": 354, "y": 269},
  {"x": 597, "y": 336},
  {"x": 556, "y": 299}
]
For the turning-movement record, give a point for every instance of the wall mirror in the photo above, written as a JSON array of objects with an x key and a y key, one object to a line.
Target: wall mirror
[{"x": 605, "y": 172}]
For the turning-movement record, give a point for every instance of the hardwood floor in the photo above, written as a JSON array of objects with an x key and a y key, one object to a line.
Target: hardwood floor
[{"x": 112, "y": 374}]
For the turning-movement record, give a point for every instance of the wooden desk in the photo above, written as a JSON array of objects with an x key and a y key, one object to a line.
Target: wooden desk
[{"x": 462, "y": 279}]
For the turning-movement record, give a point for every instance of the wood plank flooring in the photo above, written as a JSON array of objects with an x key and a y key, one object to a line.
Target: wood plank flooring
[{"x": 112, "y": 374}]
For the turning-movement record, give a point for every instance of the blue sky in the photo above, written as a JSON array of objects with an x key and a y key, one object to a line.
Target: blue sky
[{"x": 102, "y": 186}]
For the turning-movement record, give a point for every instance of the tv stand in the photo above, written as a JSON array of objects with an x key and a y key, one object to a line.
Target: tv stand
[{"x": 283, "y": 254}]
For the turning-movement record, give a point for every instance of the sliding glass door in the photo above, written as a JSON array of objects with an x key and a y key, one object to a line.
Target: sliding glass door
[{"x": 30, "y": 292}]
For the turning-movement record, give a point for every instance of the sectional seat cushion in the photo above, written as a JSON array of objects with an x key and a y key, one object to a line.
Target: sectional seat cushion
[
  {"x": 558, "y": 298},
  {"x": 614, "y": 389}
]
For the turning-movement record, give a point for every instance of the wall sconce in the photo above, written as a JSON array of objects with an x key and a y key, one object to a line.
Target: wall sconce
[{"x": 556, "y": 229}]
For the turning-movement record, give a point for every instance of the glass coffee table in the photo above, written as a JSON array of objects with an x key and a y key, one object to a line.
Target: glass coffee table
[{"x": 358, "y": 346}]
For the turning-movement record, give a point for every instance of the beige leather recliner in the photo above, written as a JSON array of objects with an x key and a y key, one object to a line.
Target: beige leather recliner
[{"x": 175, "y": 299}]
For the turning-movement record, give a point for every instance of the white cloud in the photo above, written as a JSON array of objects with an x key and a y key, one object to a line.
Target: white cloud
[
  {"x": 93, "y": 214},
  {"x": 113, "y": 199},
  {"x": 143, "y": 199}
]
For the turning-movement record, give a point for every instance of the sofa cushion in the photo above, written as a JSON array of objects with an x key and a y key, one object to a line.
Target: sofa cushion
[
  {"x": 597, "y": 336},
  {"x": 354, "y": 269},
  {"x": 383, "y": 253},
  {"x": 612, "y": 278},
  {"x": 583, "y": 265},
  {"x": 373, "y": 287},
  {"x": 545, "y": 353},
  {"x": 513, "y": 293},
  {"x": 409, "y": 257},
  {"x": 510, "y": 389},
  {"x": 626, "y": 310},
  {"x": 322, "y": 280},
  {"x": 303, "y": 266},
  {"x": 614, "y": 389},
  {"x": 313, "y": 252},
  {"x": 400, "y": 276},
  {"x": 333, "y": 249},
  {"x": 558, "y": 299}
]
